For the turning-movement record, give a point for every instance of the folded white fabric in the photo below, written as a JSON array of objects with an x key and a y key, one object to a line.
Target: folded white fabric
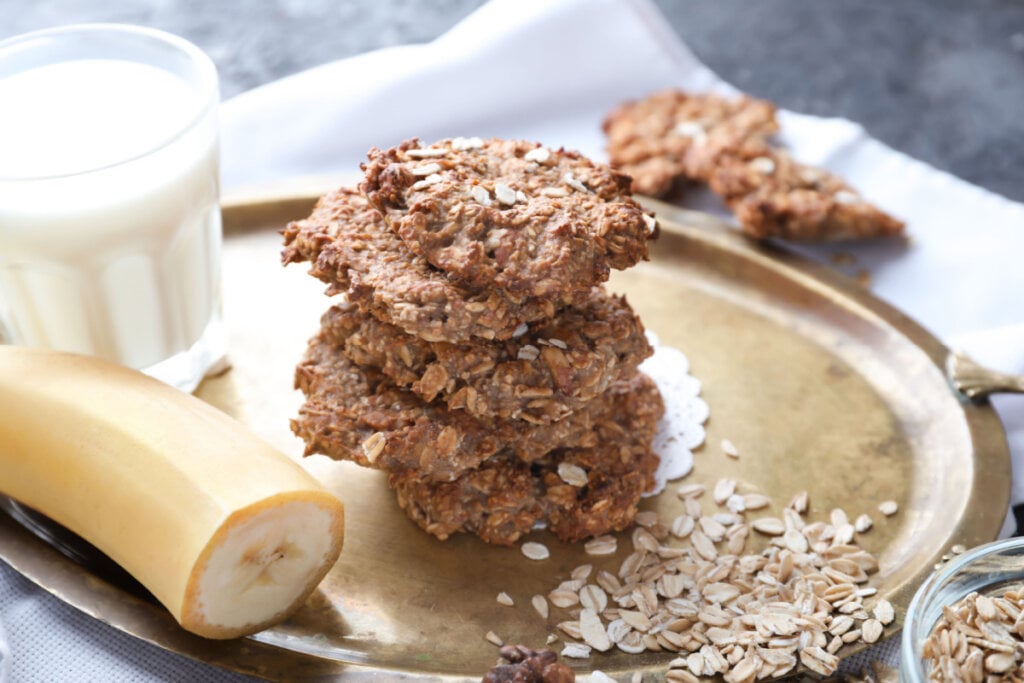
[{"x": 549, "y": 71}]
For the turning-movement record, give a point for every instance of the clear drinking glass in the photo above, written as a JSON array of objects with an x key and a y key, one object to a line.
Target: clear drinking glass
[
  {"x": 989, "y": 569},
  {"x": 110, "y": 227}
]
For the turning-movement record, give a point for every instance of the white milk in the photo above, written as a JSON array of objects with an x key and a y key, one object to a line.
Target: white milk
[{"x": 121, "y": 262}]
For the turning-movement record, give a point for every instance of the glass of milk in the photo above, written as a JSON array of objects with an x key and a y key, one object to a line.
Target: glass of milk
[{"x": 110, "y": 231}]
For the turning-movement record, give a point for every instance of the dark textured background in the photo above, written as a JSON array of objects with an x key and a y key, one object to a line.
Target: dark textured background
[{"x": 942, "y": 80}]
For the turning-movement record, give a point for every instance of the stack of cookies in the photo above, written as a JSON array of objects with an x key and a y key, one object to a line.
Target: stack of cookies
[{"x": 475, "y": 355}]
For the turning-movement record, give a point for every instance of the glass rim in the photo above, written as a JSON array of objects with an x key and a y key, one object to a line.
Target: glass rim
[
  {"x": 207, "y": 85},
  {"x": 910, "y": 646}
]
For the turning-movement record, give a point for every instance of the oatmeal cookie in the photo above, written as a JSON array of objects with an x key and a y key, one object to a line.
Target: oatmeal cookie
[
  {"x": 356, "y": 413},
  {"x": 352, "y": 250},
  {"x": 514, "y": 216},
  {"x": 578, "y": 492},
  {"x": 672, "y": 135},
  {"x": 551, "y": 369},
  {"x": 773, "y": 195}
]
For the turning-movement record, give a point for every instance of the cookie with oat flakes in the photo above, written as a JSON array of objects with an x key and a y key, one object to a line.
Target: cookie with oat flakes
[
  {"x": 672, "y": 136},
  {"x": 772, "y": 195},
  {"x": 514, "y": 216},
  {"x": 542, "y": 374},
  {"x": 503, "y": 498},
  {"x": 352, "y": 250},
  {"x": 356, "y": 413}
]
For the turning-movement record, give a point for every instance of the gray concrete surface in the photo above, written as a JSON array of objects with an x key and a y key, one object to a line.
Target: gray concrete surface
[{"x": 942, "y": 80}]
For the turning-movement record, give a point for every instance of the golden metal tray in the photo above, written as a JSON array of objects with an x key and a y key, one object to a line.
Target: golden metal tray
[{"x": 821, "y": 386}]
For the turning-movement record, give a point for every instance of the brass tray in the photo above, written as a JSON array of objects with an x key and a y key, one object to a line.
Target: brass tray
[{"x": 821, "y": 386}]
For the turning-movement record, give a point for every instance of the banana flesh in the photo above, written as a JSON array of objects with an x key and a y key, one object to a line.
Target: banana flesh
[{"x": 228, "y": 533}]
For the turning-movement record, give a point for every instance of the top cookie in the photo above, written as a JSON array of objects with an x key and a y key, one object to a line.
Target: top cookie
[
  {"x": 528, "y": 220},
  {"x": 352, "y": 250},
  {"x": 672, "y": 135}
]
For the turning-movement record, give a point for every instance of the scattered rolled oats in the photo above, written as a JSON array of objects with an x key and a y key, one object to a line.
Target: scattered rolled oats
[
  {"x": 889, "y": 508},
  {"x": 505, "y": 599},
  {"x": 729, "y": 448},
  {"x": 736, "y": 503},
  {"x": 535, "y": 551},
  {"x": 871, "y": 630},
  {"x": 682, "y": 526},
  {"x": 593, "y": 630},
  {"x": 493, "y": 638},
  {"x": 602, "y": 545},
  {"x": 564, "y": 598},
  {"x": 691, "y": 587},
  {"x": 770, "y": 526},
  {"x": 838, "y": 518},
  {"x": 593, "y": 597},
  {"x": 582, "y": 572},
  {"x": 756, "y": 501},
  {"x": 723, "y": 489},
  {"x": 863, "y": 523},
  {"x": 540, "y": 604},
  {"x": 799, "y": 502},
  {"x": 819, "y": 661},
  {"x": 576, "y": 650},
  {"x": 690, "y": 490}
]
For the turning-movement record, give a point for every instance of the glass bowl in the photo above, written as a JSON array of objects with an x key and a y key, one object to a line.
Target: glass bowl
[{"x": 989, "y": 569}]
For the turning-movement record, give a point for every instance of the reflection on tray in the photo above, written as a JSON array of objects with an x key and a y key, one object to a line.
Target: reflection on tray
[{"x": 75, "y": 548}]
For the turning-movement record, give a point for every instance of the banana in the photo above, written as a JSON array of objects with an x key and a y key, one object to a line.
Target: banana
[{"x": 228, "y": 533}]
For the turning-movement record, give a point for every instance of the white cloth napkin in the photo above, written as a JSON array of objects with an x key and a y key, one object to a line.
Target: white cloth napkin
[{"x": 549, "y": 71}]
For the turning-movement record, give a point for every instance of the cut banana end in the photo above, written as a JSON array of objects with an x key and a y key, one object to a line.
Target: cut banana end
[
  {"x": 261, "y": 565},
  {"x": 230, "y": 534}
]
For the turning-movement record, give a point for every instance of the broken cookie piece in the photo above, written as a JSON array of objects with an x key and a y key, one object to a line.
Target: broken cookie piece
[
  {"x": 672, "y": 137},
  {"x": 772, "y": 195}
]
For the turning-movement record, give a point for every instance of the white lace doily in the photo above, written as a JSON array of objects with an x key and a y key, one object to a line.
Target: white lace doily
[{"x": 681, "y": 429}]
